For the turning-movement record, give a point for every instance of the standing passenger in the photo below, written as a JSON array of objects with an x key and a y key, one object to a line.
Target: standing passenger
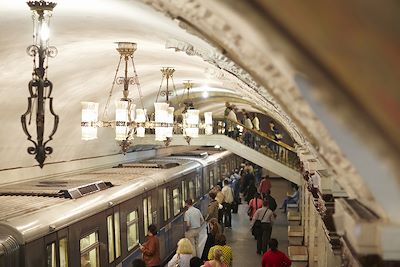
[
  {"x": 183, "y": 254},
  {"x": 273, "y": 257},
  {"x": 212, "y": 209},
  {"x": 221, "y": 199},
  {"x": 193, "y": 221},
  {"x": 220, "y": 244},
  {"x": 151, "y": 248},
  {"x": 265, "y": 215},
  {"x": 228, "y": 197}
]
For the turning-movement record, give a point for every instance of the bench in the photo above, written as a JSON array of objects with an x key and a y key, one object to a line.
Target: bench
[
  {"x": 298, "y": 255},
  {"x": 293, "y": 207},
  {"x": 294, "y": 218},
  {"x": 295, "y": 235}
]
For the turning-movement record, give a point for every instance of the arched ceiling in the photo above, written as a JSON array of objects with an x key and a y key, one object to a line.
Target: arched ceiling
[{"x": 243, "y": 57}]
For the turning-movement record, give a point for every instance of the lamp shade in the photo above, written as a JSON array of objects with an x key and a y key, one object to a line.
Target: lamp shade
[
  {"x": 122, "y": 109},
  {"x": 160, "y": 118},
  {"x": 208, "y": 123},
  {"x": 170, "y": 120},
  {"x": 90, "y": 112},
  {"x": 192, "y": 123},
  {"x": 141, "y": 117}
]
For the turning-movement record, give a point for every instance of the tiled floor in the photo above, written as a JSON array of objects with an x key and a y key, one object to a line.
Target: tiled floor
[{"x": 240, "y": 238}]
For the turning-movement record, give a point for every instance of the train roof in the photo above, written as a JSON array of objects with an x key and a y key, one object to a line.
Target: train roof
[{"x": 31, "y": 209}]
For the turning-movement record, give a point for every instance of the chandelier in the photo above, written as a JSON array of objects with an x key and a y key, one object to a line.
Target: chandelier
[
  {"x": 129, "y": 121},
  {"x": 40, "y": 88}
]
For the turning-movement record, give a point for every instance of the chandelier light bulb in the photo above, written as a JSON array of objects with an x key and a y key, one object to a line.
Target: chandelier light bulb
[{"x": 44, "y": 32}]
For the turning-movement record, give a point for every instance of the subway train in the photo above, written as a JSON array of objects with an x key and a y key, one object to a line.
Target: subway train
[{"x": 100, "y": 217}]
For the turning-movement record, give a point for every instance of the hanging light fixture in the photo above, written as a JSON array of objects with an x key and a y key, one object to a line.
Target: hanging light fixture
[
  {"x": 163, "y": 112},
  {"x": 125, "y": 123},
  {"x": 40, "y": 88},
  {"x": 190, "y": 116}
]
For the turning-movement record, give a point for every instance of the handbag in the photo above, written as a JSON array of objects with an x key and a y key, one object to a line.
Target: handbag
[{"x": 257, "y": 225}]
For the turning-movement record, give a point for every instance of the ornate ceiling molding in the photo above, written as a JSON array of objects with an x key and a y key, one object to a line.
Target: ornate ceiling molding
[{"x": 261, "y": 64}]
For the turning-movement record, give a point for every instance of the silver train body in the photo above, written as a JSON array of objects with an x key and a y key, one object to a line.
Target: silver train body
[{"x": 104, "y": 227}]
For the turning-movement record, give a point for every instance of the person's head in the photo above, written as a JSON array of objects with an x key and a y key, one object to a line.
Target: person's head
[
  {"x": 214, "y": 225},
  {"x": 226, "y": 182},
  {"x": 273, "y": 244},
  {"x": 189, "y": 202},
  {"x": 196, "y": 262},
  {"x": 212, "y": 194},
  {"x": 266, "y": 203},
  {"x": 138, "y": 263},
  {"x": 269, "y": 191},
  {"x": 217, "y": 188},
  {"x": 184, "y": 246},
  {"x": 227, "y": 104},
  {"x": 266, "y": 177},
  {"x": 295, "y": 187},
  {"x": 220, "y": 239},
  {"x": 217, "y": 255},
  {"x": 152, "y": 229},
  {"x": 257, "y": 195}
]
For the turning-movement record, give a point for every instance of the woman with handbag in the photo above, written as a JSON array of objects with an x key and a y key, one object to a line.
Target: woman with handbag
[
  {"x": 261, "y": 226},
  {"x": 183, "y": 254},
  {"x": 254, "y": 205}
]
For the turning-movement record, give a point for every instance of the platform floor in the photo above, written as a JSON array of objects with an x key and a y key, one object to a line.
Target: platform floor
[{"x": 240, "y": 238}]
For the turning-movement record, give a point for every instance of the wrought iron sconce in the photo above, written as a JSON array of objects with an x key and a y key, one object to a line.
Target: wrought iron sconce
[{"x": 40, "y": 88}]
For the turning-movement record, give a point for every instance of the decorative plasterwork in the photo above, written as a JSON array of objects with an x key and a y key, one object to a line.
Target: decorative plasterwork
[{"x": 258, "y": 59}]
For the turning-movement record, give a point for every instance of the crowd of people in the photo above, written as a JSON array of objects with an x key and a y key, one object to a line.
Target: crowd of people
[
  {"x": 251, "y": 122},
  {"x": 224, "y": 199}
]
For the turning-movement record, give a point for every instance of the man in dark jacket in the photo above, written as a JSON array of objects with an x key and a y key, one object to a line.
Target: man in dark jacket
[{"x": 271, "y": 200}]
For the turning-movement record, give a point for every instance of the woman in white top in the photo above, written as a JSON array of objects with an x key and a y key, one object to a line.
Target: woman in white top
[
  {"x": 183, "y": 254},
  {"x": 263, "y": 234}
]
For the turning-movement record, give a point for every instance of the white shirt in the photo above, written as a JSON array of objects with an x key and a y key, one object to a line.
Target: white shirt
[
  {"x": 193, "y": 217},
  {"x": 248, "y": 123},
  {"x": 268, "y": 217},
  {"x": 232, "y": 116},
  {"x": 256, "y": 123},
  {"x": 228, "y": 194}
]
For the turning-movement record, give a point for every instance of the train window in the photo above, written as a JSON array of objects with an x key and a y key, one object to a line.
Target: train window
[
  {"x": 184, "y": 193},
  {"x": 89, "y": 246},
  {"x": 166, "y": 199},
  {"x": 132, "y": 222},
  {"x": 148, "y": 219},
  {"x": 114, "y": 247},
  {"x": 192, "y": 190},
  {"x": 63, "y": 249},
  {"x": 176, "y": 202},
  {"x": 211, "y": 179},
  {"x": 217, "y": 174},
  {"x": 51, "y": 255},
  {"x": 198, "y": 186}
]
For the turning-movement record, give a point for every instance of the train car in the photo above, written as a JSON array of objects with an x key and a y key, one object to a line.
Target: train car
[{"x": 98, "y": 218}]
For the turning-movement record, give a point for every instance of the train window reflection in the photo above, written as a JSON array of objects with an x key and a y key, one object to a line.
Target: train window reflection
[
  {"x": 51, "y": 255},
  {"x": 166, "y": 204},
  {"x": 117, "y": 235},
  {"x": 198, "y": 186},
  {"x": 148, "y": 219},
  {"x": 211, "y": 179},
  {"x": 110, "y": 231},
  {"x": 175, "y": 199},
  {"x": 192, "y": 190},
  {"x": 184, "y": 193},
  {"x": 89, "y": 246},
  {"x": 132, "y": 229},
  {"x": 63, "y": 243}
]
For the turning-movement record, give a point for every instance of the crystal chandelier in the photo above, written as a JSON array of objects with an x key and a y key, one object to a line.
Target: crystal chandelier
[{"x": 40, "y": 88}]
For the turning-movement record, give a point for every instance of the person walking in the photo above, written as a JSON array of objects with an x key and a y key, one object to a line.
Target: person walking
[
  {"x": 183, "y": 254},
  {"x": 263, "y": 231},
  {"x": 273, "y": 257},
  {"x": 193, "y": 221},
  {"x": 271, "y": 201},
  {"x": 151, "y": 248},
  {"x": 220, "y": 199},
  {"x": 254, "y": 204},
  {"x": 228, "y": 197},
  {"x": 264, "y": 186}
]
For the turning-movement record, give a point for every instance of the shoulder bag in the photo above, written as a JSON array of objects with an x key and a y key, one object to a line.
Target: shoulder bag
[{"x": 257, "y": 225}]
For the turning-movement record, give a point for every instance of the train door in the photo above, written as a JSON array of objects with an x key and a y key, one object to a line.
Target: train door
[
  {"x": 85, "y": 239},
  {"x": 113, "y": 236},
  {"x": 165, "y": 220},
  {"x": 131, "y": 229}
]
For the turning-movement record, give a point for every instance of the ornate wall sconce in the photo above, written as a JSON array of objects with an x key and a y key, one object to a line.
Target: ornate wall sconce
[{"x": 40, "y": 88}]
